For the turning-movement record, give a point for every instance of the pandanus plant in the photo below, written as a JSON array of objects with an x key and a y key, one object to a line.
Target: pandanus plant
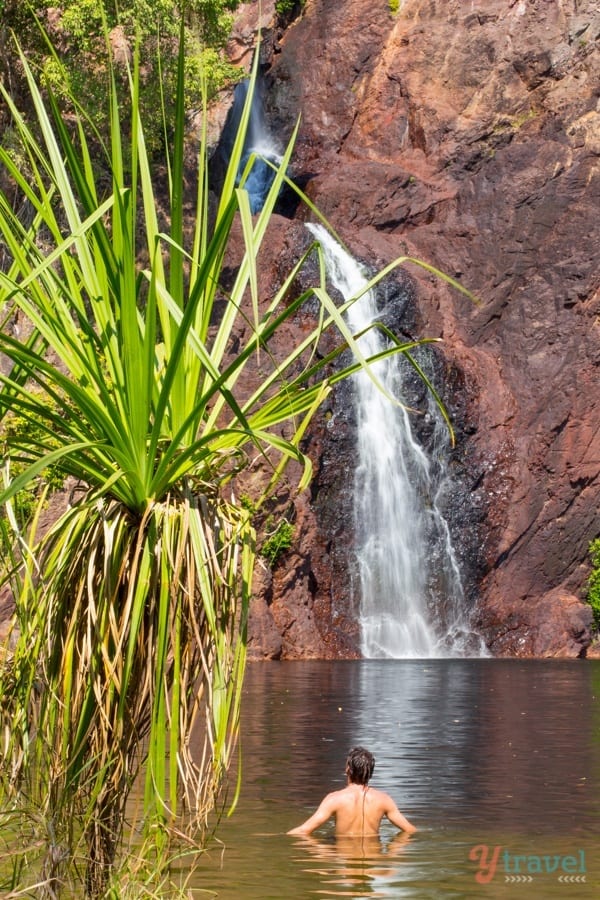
[{"x": 130, "y": 610}]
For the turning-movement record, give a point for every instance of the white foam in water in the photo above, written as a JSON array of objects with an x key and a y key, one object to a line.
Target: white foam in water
[
  {"x": 403, "y": 541},
  {"x": 260, "y": 141}
]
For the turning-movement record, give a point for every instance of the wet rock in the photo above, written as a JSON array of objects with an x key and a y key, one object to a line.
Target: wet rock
[
  {"x": 264, "y": 638},
  {"x": 556, "y": 625},
  {"x": 469, "y": 137}
]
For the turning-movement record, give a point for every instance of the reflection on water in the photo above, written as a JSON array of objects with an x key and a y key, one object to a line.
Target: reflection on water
[
  {"x": 491, "y": 753},
  {"x": 361, "y": 865}
]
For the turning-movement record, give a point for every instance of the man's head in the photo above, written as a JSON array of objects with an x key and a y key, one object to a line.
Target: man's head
[{"x": 359, "y": 765}]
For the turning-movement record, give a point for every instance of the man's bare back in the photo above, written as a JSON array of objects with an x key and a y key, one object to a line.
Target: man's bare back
[{"x": 358, "y": 808}]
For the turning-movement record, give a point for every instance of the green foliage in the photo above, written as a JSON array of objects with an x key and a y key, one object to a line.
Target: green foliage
[
  {"x": 131, "y": 609},
  {"x": 278, "y": 540},
  {"x": 284, "y": 7},
  {"x": 394, "y": 6},
  {"x": 77, "y": 68},
  {"x": 593, "y": 585},
  {"x": 206, "y": 71},
  {"x": 17, "y": 431},
  {"x": 246, "y": 502}
]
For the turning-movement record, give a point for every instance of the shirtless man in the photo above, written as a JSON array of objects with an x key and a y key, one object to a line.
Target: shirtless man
[{"x": 358, "y": 808}]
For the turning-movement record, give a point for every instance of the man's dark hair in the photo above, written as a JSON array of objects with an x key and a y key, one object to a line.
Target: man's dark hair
[{"x": 360, "y": 765}]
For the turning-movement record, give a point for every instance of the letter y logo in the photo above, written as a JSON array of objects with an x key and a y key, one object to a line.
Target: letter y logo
[{"x": 487, "y": 869}]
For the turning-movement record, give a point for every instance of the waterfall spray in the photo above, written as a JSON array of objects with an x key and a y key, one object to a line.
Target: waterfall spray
[
  {"x": 259, "y": 141},
  {"x": 403, "y": 542}
]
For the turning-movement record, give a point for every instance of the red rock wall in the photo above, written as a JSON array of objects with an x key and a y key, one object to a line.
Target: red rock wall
[{"x": 467, "y": 134}]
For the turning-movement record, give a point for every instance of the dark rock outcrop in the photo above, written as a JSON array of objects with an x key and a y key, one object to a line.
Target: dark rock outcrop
[{"x": 467, "y": 135}]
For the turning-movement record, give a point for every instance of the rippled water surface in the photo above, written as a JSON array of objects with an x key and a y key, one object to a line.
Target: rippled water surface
[{"x": 495, "y": 761}]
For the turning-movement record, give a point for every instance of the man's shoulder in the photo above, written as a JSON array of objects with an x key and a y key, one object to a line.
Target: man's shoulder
[
  {"x": 381, "y": 797},
  {"x": 343, "y": 795},
  {"x": 378, "y": 793},
  {"x": 339, "y": 794}
]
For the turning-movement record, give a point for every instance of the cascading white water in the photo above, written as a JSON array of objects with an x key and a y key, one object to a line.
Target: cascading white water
[
  {"x": 405, "y": 556},
  {"x": 260, "y": 141}
]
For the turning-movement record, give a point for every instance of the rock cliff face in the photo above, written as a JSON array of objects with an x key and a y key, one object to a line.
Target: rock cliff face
[{"x": 466, "y": 134}]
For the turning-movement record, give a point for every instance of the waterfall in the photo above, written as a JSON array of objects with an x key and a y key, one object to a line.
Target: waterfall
[
  {"x": 259, "y": 140},
  {"x": 411, "y": 597}
]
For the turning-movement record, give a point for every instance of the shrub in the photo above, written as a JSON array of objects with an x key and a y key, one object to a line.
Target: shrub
[
  {"x": 593, "y": 585},
  {"x": 14, "y": 432},
  {"x": 287, "y": 9},
  {"x": 278, "y": 541},
  {"x": 77, "y": 67}
]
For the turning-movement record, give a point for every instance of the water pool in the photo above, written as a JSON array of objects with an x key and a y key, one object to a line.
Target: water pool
[{"x": 496, "y": 761}]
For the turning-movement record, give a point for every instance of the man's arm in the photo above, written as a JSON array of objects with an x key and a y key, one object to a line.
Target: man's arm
[
  {"x": 318, "y": 818},
  {"x": 397, "y": 819}
]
